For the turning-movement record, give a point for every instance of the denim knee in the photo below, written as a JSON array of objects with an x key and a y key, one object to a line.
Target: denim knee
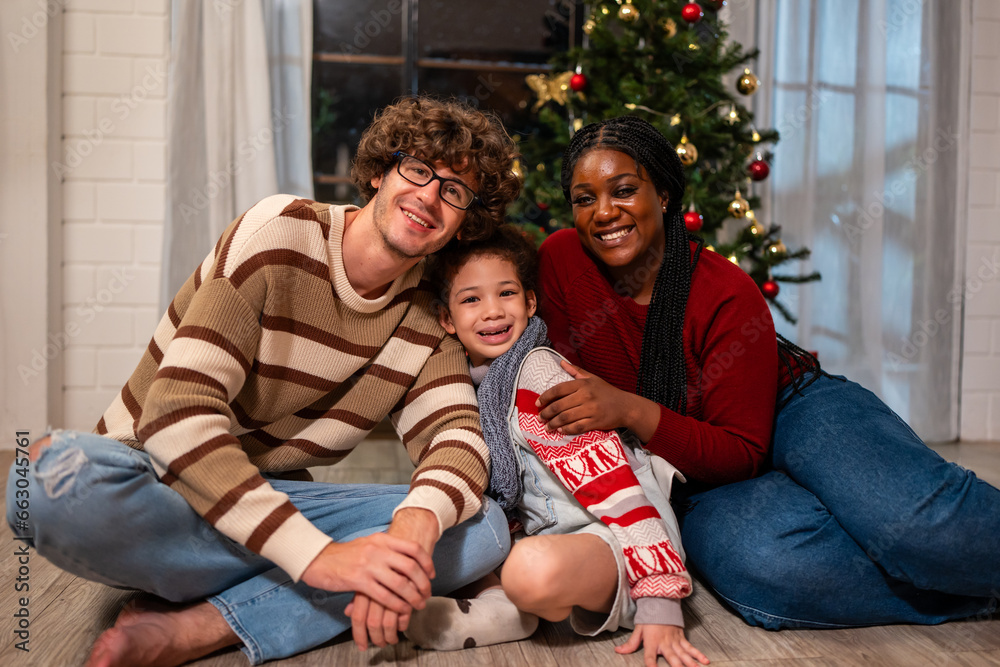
[{"x": 64, "y": 488}]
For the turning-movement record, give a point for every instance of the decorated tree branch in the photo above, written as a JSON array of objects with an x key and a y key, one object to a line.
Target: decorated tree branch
[{"x": 664, "y": 60}]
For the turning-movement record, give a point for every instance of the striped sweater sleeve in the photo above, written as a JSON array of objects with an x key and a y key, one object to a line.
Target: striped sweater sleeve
[
  {"x": 438, "y": 422},
  {"x": 186, "y": 421},
  {"x": 594, "y": 467}
]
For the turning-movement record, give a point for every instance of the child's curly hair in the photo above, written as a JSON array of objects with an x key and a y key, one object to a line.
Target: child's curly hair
[
  {"x": 507, "y": 242},
  {"x": 451, "y": 132}
]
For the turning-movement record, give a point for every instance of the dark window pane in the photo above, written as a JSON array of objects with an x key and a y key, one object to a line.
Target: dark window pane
[
  {"x": 502, "y": 92},
  {"x": 369, "y": 28},
  {"x": 511, "y": 30},
  {"x": 345, "y": 99}
]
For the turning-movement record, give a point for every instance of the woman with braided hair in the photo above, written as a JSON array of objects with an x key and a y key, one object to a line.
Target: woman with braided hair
[{"x": 843, "y": 517}]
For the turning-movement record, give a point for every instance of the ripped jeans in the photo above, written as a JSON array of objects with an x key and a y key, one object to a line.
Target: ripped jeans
[{"x": 97, "y": 510}]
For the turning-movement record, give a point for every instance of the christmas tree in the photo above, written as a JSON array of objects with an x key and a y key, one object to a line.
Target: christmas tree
[{"x": 664, "y": 60}]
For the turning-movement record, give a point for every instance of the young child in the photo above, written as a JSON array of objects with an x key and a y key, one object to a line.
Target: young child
[{"x": 600, "y": 533}]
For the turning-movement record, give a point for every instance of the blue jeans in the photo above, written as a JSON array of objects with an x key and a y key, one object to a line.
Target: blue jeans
[
  {"x": 858, "y": 523},
  {"x": 97, "y": 510}
]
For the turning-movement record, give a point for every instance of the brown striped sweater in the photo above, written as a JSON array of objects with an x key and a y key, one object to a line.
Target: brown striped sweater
[{"x": 267, "y": 360}]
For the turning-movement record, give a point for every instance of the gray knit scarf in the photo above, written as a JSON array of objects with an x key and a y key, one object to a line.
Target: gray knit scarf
[{"x": 495, "y": 394}]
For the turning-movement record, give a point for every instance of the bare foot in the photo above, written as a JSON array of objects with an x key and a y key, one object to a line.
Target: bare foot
[{"x": 155, "y": 635}]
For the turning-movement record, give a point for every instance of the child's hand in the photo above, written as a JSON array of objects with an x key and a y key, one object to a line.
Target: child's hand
[{"x": 665, "y": 640}]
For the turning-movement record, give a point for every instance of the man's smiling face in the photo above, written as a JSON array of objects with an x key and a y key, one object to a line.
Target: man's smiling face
[{"x": 413, "y": 220}]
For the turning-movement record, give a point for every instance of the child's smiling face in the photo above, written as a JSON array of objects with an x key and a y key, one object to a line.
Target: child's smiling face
[{"x": 488, "y": 309}]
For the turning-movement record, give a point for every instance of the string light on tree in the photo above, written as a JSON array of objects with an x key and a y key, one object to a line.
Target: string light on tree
[
  {"x": 691, "y": 12},
  {"x": 777, "y": 249},
  {"x": 589, "y": 25},
  {"x": 732, "y": 117}
]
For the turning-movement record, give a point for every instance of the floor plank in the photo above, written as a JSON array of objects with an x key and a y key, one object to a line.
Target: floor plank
[{"x": 68, "y": 613}]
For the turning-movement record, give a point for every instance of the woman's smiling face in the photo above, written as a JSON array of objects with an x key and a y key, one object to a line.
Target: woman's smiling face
[{"x": 617, "y": 211}]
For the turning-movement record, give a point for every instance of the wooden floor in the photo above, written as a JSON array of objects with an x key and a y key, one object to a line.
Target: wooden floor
[{"x": 68, "y": 613}]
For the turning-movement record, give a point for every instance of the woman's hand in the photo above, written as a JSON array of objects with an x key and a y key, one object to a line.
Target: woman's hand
[
  {"x": 665, "y": 640},
  {"x": 588, "y": 403}
]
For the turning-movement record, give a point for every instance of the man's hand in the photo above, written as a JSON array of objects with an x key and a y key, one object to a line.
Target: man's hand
[
  {"x": 393, "y": 571},
  {"x": 370, "y": 617}
]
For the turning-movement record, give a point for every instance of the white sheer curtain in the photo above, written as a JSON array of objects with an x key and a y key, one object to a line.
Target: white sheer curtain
[
  {"x": 866, "y": 173},
  {"x": 238, "y": 116}
]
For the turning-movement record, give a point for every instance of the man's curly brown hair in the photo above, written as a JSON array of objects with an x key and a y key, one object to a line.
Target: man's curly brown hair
[{"x": 451, "y": 132}]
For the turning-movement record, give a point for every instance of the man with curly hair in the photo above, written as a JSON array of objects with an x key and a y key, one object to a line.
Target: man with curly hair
[{"x": 304, "y": 327}]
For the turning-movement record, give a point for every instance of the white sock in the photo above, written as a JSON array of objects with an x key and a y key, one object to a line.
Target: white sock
[{"x": 447, "y": 624}]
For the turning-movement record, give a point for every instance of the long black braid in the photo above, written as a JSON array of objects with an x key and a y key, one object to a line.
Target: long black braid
[{"x": 662, "y": 367}]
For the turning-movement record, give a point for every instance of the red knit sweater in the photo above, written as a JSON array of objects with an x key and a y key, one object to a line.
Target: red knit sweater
[{"x": 729, "y": 347}]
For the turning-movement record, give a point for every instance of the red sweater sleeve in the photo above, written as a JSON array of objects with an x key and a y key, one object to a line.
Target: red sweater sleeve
[{"x": 737, "y": 372}]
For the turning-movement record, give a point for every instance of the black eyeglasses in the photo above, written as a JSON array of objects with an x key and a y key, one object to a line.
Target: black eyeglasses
[{"x": 418, "y": 172}]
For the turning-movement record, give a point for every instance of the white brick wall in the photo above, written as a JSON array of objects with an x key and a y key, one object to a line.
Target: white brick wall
[
  {"x": 114, "y": 170},
  {"x": 981, "y": 350}
]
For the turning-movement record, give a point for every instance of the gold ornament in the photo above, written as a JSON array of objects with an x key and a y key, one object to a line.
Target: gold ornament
[
  {"x": 693, "y": 47},
  {"x": 589, "y": 25},
  {"x": 732, "y": 117},
  {"x": 669, "y": 26},
  {"x": 627, "y": 12},
  {"x": 517, "y": 170},
  {"x": 555, "y": 88},
  {"x": 687, "y": 152},
  {"x": 748, "y": 82},
  {"x": 540, "y": 167},
  {"x": 777, "y": 248},
  {"x": 739, "y": 206},
  {"x": 675, "y": 120}
]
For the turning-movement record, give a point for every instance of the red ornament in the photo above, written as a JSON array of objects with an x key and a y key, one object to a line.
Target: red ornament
[
  {"x": 770, "y": 289},
  {"x": 759, "y": 170},
  {"x": 578, "y": 82},
  {"x": 715, "y": 5},
  {"x": 543, "y": 206},
  {"x": 693, "y": 220},
  {"x": 692, "y": 12}
]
